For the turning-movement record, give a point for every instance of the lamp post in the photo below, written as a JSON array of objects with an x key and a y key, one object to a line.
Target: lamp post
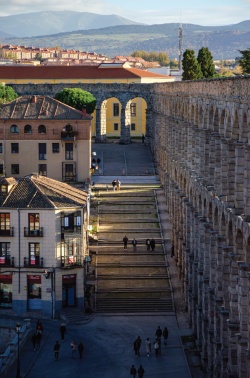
[{"x": 18, "y": 328}]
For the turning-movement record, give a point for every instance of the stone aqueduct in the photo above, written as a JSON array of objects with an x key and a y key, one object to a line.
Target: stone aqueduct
[{"x": 199, "y": 133}]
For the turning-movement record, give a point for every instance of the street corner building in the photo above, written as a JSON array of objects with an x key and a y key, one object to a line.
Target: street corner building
[
  {"x": 43, "y": 245},
  {"x": 40, "y": 134}
]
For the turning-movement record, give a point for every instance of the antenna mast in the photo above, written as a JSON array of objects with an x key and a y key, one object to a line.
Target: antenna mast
[{"x": 180, "y": 38}]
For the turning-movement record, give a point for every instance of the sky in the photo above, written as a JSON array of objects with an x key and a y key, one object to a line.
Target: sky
[{"x": 199, "y": 12}]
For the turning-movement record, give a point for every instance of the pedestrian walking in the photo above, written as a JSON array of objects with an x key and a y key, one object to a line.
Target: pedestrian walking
[
  {"x": 73, "y": 349},
  {"x": 114, "y": 185},
  {"x": 63, "y": 330},
  {"x": 56, "y": 350},
  {"x": 140, "y": 372},
  {"x": 143, "y": 138},
  {"x": 80, "y": 349},
  {"x": 134, "y": 243},
  {"x": 137, "y": 345},
  {"x": 118, "y": 184},
  {"x": 38, "y": 339},
  {"x": 158, "y": 332},
  {"x": 133, "y": 371},
  {"x": 125, "y": 242},
  {"x": 148, "y": 244},
  {"x": 156, "y": 347},
  {"x": 33, "y": 340},
  {"x": 152, "y": 244},
  {"x": 148, "y": 347},
  {"x": 165, "y": 335}
]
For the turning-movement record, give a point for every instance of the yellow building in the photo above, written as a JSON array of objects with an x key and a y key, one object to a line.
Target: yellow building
[{"x": 105, "y": 73}]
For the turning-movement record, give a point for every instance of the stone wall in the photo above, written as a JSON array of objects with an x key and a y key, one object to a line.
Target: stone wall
[{"x": 201, "y": 142}]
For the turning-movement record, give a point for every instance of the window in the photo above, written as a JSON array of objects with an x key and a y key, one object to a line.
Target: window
[
  {"x": 42, "y": 169},
  {"x": 116, "y": 109},
  {"x": 133, "y": 109},
  {"x": 34, "y": 221},
  {"x": 41, "y": 129},
  {"x": 68, "y": 151},
  {"x": 15, "y": 169},
  {"x": 4, "y": 253},
  {"x": 1, "y": 148},
  {"x": 55, "y": 148},
  {"x": 34, "y": 253},
  {"x": 116, "y": 126},
  {"x": 42, "y": 151},
  {"x": 132, "y": 126},
  {"x": 3, "y": 188},
  {"x": 14, "y": 148},
  {"x": 68, "y": 128},
  {"x": 27, "y": 129},
  {"x": 1, "y": 170},
  {"x": 4, "y": 221},
  {"x": 14, "y": 129}
]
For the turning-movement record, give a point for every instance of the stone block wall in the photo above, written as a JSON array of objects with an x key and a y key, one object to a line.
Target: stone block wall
[{"x": 201, "y": 143}]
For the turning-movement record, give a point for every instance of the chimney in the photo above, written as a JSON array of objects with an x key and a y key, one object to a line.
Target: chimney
[
  {"x": 33, "y": 99},
  {"x": 84, "y": 112}
]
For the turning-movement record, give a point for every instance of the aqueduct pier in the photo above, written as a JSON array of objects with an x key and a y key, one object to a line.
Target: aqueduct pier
[{"x": 199, "y": 133}]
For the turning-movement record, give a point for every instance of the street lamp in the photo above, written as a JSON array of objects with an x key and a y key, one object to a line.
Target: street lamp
[{"x": 18, "y": 329}]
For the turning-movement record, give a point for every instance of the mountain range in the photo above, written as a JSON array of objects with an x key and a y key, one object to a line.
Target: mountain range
[{"x": 113, "y": 35}]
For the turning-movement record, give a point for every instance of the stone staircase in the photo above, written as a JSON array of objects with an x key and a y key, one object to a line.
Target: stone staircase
[{"x": 127, "y": 281}]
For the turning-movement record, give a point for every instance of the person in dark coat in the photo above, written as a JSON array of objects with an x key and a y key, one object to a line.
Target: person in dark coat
[
  {"x": 56, "y": 350},
  {"x": 148, "y": 244},
  {"x": 33, "y": 340},
  {"x": 165, "y": 335},
  {"x": 134, "y": 243},
  {"x": 63, "y": 330},
  {"x": 152, "y": 244},
  {"x": 141, "y": 372},
  {"x": 133, "y": 371},
  {"x": 125, "y": 242},
  {"x": 80, "y": 349}
]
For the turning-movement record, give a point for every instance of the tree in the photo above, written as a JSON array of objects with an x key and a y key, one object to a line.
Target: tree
[
  {"x": 191, "y": 67},
  {"x": 7, "y": 94},
  {"x": 244, "y": 61},
  {"x": 205, "y": 60},
  {"x": 77, "y": 98}
]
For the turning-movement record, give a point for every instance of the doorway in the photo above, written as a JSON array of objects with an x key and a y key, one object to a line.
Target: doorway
[{"x": 69, "y": 290}]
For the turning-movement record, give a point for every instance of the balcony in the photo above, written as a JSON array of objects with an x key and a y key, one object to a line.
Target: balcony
[
  {"x": 69, "y": 135},
  {"x": 9, "y": 232},
  {"x": 71, "y": 261},
  {"x": 33, "y": 233},
  {"x": 33, "y": 262},
  {"x": 6, "y": 261},
  {"x": 70, "y": 230}
]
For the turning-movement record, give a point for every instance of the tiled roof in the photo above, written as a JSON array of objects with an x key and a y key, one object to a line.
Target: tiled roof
[
  {"x": 39, "y": 107},
  {"x": 73, "y": 72},
  {"x": 39, "y": 192}
]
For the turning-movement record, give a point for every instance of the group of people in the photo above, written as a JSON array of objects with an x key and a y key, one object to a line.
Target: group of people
[
  {"x": 73, "y": 345},
  {"x": 159, "y": 333},
  {"x": 150, "y": 243},
  {"x": 116, "y": 184},
  {"x": 140, "y": 371}
]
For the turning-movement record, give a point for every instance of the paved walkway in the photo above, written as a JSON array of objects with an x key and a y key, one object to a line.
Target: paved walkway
[{"x": 108, "y": 340}]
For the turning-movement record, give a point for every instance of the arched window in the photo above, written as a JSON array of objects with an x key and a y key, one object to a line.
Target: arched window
[
  {"x": 14, "y": 129},
  {"x": 41, "y": 129},
  {"x": 27, "y": 129}
]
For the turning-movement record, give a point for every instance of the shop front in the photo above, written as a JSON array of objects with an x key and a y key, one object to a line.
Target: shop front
[
  {"x": 5, "y": 290},
  {"x": 34, "y": 292}
]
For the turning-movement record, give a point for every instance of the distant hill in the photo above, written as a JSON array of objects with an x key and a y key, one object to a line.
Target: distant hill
[
  {"x": 51, "y": 22},
  {"x": 223, "y": 41}
]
